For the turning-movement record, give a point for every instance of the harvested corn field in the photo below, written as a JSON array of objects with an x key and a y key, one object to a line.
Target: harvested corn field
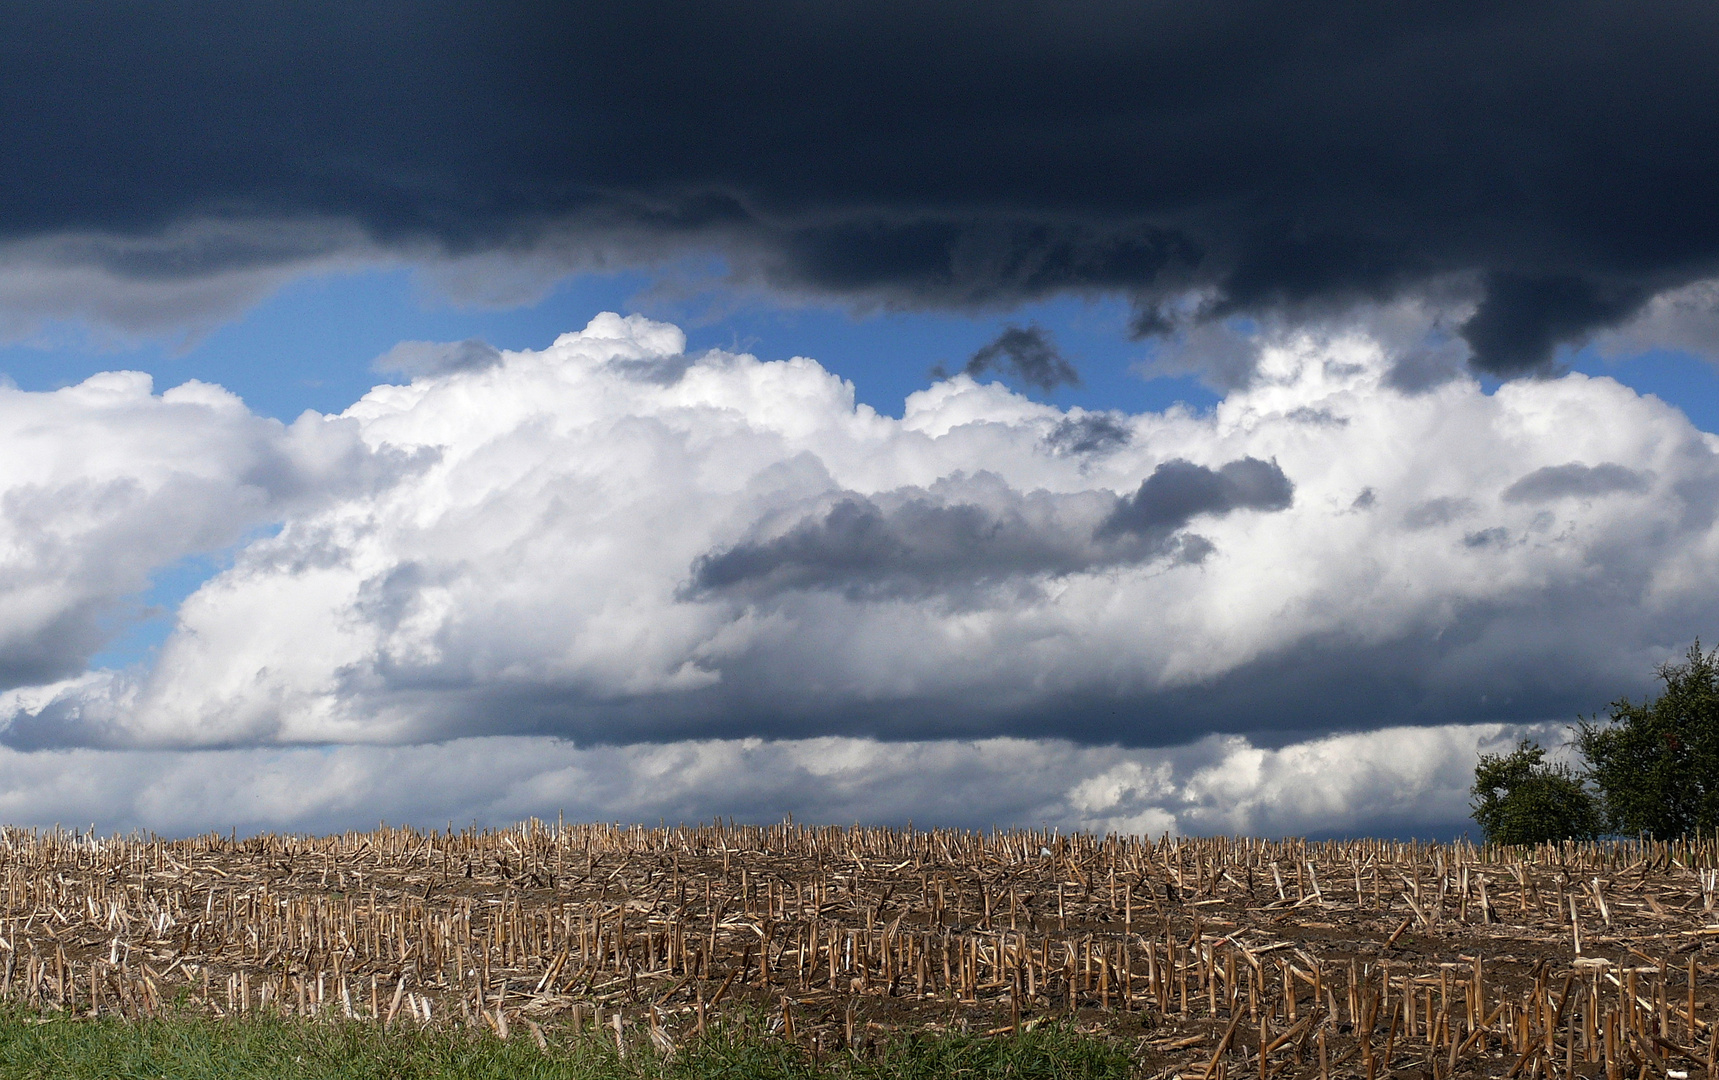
[{"x": 1208, "y": 957}]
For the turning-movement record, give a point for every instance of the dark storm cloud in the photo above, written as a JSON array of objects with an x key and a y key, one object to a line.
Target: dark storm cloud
[
  {"x": 959, "y": 536},
  {"x": 1574, "y": 480},
  {"x": 1273, "y": 156},
  {"x": 1523, "y": 318},
  {"x": 1030, "y": 355}
]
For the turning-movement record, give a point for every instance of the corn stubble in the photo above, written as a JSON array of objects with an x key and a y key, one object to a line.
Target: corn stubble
[{"x": 1210, "y": 957}]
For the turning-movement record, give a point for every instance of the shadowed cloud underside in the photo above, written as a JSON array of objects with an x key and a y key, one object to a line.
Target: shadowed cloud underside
[{"x": 1549, "y": 165}]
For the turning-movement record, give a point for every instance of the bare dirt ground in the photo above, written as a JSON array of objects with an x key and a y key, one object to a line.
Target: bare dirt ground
[{"x": 1341, "y": 959}]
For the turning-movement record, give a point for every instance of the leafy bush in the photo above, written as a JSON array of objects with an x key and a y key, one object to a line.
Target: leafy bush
[
  {"x": 1521, "y": 799},
  {"x": 1656, "y": 764}
]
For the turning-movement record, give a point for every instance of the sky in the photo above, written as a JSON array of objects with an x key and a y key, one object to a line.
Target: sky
[{"x": 1147, "y": 417}]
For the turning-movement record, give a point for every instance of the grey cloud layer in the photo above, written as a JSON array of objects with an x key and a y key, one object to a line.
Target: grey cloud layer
[
  {"x": 1178, "y": 491},
  {"x": 1554, "y": 160},
  {"x": 1396, "y": 782},
  {"x": 415, "y": 358},
  {"x": 615, "y": 541},
  {"x": 975, "y": 532},
  {"x": 1088, "y": 433},
  {"x": 1575, "y": 480}
]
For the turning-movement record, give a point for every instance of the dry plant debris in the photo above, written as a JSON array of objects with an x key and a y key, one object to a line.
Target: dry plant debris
[{"x": 1213, "y": 957}]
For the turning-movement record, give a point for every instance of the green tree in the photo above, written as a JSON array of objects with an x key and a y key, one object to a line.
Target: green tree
[
  {"x": 1656, "y": 764},
  {"x": 1518, "y": 798}
]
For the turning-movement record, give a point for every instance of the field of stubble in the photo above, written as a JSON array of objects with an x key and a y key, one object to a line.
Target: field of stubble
[{"x": 1208, "y": 957}]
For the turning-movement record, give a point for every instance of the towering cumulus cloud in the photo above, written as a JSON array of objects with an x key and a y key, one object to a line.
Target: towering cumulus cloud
[
  {"x": 103, "y": 483},
  {"x": 1545, "y": 167},
  {"x": 611, "y": 551}
]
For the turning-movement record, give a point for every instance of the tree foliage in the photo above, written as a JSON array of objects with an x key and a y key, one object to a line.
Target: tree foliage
[
  {"x": 1520, "y": 798},
  {"x": 1656, "y": 764}
]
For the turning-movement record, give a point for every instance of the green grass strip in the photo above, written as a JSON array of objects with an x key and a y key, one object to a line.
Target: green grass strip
[{"x": 198, "y": 1048}]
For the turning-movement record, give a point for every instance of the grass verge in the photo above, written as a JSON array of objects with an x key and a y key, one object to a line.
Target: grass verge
[{"x": 198, "y": 1048}]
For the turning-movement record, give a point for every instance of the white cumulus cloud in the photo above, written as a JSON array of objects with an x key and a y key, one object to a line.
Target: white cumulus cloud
[
  {"x": 104, "y": 482},
  {"x": 614, "y": 542}
]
